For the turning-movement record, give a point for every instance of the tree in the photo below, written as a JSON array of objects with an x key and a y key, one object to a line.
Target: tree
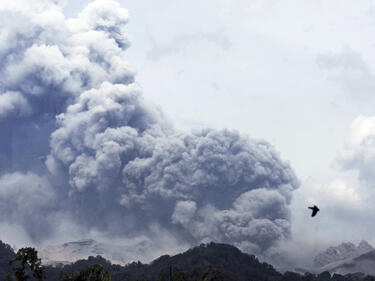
[
  {"x": 176, "y": 274},
  {"x": 27, "y": 261},
  {"x": 92, "y": 273},
  {"x": 211, "y": 274}
]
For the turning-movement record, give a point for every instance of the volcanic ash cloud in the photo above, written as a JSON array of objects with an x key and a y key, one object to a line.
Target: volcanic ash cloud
[{"x": 80, "y": 142}]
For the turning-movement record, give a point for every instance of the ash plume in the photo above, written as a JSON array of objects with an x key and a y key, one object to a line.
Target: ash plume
[{"x": 79, "y": 142}]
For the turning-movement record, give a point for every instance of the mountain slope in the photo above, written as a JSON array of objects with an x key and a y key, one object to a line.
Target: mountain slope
[
  {"x": 232, "y": 264},
  {"x": 344, "y": 251},
  {"x": 118, "y": 252},
  {"x": 73, "y": 251},
  {"x": 230, "y": 261},
  {"x": 364, "y": 263}
]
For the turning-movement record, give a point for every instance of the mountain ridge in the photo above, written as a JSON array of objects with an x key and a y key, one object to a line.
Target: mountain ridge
[
  {"x": 364, "y": 263},
  {"x": 229, "y": 261},
  {"x": 344, "y": 251}
]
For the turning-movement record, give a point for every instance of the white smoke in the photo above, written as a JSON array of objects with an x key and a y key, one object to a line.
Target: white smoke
[{"x": 80, "y": 143}]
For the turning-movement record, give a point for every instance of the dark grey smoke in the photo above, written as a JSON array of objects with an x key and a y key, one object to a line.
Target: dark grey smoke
[{"x": 79, "y": 142}]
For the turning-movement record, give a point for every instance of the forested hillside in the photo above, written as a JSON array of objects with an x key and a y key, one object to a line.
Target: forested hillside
[{"x": 204, "y": 263}]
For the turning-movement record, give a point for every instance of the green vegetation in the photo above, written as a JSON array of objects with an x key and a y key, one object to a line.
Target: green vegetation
[
  {"x": 207, "y": 262},
  {"x": 175, "y": 274},
  {"x": 26, "y": 261},
  {"x": 92, "y": 273}
]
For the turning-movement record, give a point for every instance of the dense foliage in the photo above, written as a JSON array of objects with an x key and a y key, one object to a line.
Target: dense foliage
[
  {"x": 207, "y": 262},
  {"x": 26, "y": 262}
]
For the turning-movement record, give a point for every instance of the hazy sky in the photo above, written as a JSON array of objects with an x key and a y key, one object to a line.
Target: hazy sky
[
  {"x": 260, "y": 67},
  {"x": 296, "y": 74}
]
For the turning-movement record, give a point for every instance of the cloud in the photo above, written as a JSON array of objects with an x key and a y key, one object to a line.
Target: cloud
[
  {"x": 25, "y": 199},
  {"x": 13, "y": 103},
  {"x": 83, "y": 149},
  {"x": 38, "y": 6},
  {"x": 359, "y": 152},
  {"x": 337, "y": 193},
  {"x": 344, "y": 200},
  {"x": 351, "y": 71},
  {"x": 124, "y": 160},
  {"x": 184, "y": 212}
]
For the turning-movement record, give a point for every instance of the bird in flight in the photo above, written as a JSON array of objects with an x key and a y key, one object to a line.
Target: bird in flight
[{"x": 315, "y": 210}]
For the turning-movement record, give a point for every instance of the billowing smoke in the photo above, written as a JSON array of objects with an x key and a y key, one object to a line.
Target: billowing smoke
[
  {"x": 80, "y": 144},
  {"x": 359, "y": 153}
]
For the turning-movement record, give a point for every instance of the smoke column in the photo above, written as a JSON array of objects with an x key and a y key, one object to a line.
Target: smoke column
[{"x": 80, "y": 146}]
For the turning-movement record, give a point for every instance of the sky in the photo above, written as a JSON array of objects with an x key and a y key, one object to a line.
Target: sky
[
  {"x": 262, "y": 68},
  {"x": 296, "y": 75}
]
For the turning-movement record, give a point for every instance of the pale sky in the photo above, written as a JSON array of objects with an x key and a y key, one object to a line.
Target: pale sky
[
  {"x": 255, "y": 67},
  {"x": 298, "y": 74},
  {"x": 295, "y": 73}
]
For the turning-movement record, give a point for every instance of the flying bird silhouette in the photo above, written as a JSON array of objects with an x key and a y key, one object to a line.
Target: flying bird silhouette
[{"x": 315, "y": 210}]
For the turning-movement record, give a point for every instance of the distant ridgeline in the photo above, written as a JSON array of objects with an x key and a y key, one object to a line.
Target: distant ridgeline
[
  {"x": 345, "y": 250},
  {"x": 207, "y": 262}
]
